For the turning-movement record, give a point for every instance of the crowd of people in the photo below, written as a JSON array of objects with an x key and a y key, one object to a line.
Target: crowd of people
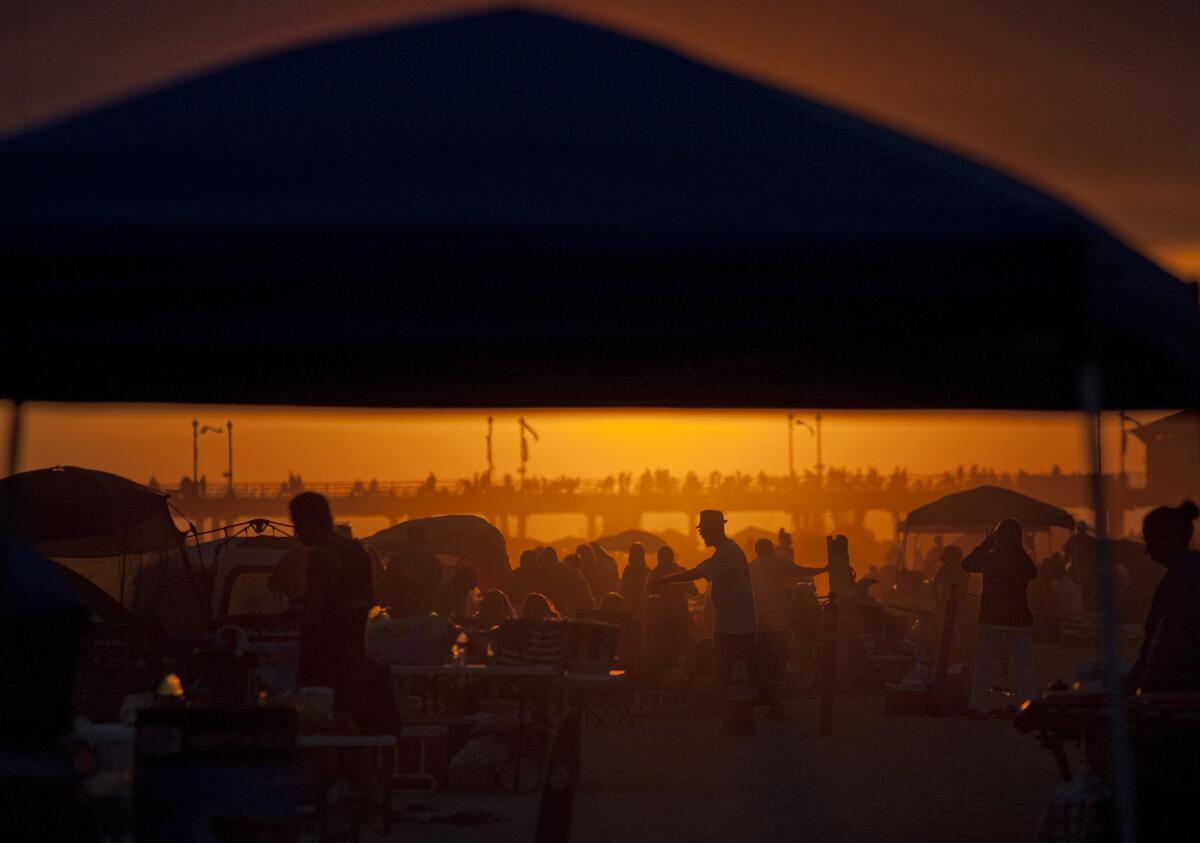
[
  {"x": 664, "y": 482},
  {"x": 745, "y": 604},
  {"x": 660, "y": 603},
  {"x": 743, "y": 614}
]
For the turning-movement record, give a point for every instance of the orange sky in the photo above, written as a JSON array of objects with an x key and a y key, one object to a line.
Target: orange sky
[
  {"x": 1096, "y": 101},
  {"x": 332, "y": 445}
]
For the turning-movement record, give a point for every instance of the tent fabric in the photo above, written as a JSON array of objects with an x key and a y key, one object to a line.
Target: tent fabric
[
  {"x": 102, "y": 607},
  {"x": 220, "y": 554},
  {"x": 983, "y": 507},
  {"x": 514, "y": 209},
  {"x": 621, "y": 541},
  {"x": 82, "y": 513},
  {"x": 466, "y": 536},
  {"x": 115, "y": 533}
]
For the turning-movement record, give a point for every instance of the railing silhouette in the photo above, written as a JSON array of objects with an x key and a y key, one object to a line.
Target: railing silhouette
[{"x": 1037, "y": 485}]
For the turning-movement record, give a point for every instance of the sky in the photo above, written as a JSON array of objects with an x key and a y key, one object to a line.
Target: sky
[
  {"x": 1095, "y": 102},
  {"x": 343, "y": 445},
  {"x": 393, "y": 445}
]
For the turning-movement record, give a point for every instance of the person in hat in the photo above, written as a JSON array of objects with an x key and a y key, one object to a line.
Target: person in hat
[{"x": 735, "y": 625}]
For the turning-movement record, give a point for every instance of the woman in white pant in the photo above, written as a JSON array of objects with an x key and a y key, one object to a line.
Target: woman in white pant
[{"x": 1004, "y": 610}]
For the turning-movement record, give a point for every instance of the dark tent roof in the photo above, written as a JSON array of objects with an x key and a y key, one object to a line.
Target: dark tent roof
[
  {"x": 983, "y": 507},
  {"x": 468, "y": 536},
  {"x": 1183, "y": 424},
  {"x": 79, "y": 512},
  {"x": 621, "y": 541},
  {"x": 515, "y": 209}
]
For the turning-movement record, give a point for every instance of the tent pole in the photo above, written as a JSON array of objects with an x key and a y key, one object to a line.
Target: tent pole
[{"x": 1115, "y": 710}]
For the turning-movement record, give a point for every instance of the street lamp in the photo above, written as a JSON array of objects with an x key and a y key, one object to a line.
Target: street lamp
[
  {"x": 1125, "y": 438},
  {"x": 489, "y": 450},
  {"x": 793, "y": 423},
  {"x": 229, "y": 473},
  {"x": 197, "y": 432},
  {"x": 525, "y": 428}
]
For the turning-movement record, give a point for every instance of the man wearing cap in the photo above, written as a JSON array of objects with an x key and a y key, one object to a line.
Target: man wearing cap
[{"x": 732, "y": 598}]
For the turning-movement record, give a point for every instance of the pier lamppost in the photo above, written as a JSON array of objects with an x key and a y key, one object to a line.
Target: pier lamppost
[
  {"x": 229, "y": 473},
  {"x": 1126, "y": 418},
  {"x": 525, "y": 428},
  {"x": 197, "y": 432},
  {"x": 793, "y": 423},
  {"x": 489, "y": 450}
]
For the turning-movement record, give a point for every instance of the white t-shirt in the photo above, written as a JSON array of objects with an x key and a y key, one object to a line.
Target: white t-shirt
[{"x": 731, "y": 592}]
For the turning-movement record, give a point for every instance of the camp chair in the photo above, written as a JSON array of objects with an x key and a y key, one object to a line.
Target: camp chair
[
  {"x": 604, "y": 698},
  {"x": 622, "y": 700},
  {"x": 522, "y": 643}
]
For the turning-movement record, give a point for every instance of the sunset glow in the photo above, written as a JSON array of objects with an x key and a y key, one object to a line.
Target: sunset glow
[{"x": 344, "y": 445}]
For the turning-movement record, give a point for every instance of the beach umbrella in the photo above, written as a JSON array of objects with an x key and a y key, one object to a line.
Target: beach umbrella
[
  {"x": 981, "y": 508},
  {"x": 622, "y": 540}
]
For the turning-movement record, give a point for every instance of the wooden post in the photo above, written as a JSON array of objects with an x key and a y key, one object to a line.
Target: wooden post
[{"x": 829, "y": 632}]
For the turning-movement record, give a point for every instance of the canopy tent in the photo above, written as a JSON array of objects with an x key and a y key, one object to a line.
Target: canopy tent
[
  {"x": 218, "y": 555},
  {"x": 409, "y": 217},
  {"x": 113, "y": 532},
  {"x": 981, "y": 508},
  {"x": 465, "y": 536},
  {"x": 80, "y": 512},
  {"x": 478, "y": 211},
  {"x": 621, "y": 541}
]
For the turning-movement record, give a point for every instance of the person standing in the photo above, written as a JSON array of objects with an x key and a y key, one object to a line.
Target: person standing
[
  {"x": 674, "y": 615},
  {"x": 1004, "y": 610},
  {"x": 599, "y": 569},
  {"x": 338, "y": 594},
  {"x": 771, "y": 576},
  {"x": 950, "y": 584},
  {"x": 633, "y": 580},
  {"x": 528, "y": 577},
  {"x": 677, "y": 595},
  {"x": 1170, "y": 656},
  {"x": 933, "y": 559},
  {"x": 732, "y": 595},
  {"x": 1080, "y": 551},
  {"x": 564, "y": 584},
  {"x": 1166, "y": 768}
]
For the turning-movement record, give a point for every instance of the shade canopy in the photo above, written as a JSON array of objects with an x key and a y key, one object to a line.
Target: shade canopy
[
  {"x": 981, "y": 508},
  {"x": 514, "y": 209},
  {"x": 621, "y": 541},
  {"x": 84, "y": 513},
  {"x": 467, "y": 536}
]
